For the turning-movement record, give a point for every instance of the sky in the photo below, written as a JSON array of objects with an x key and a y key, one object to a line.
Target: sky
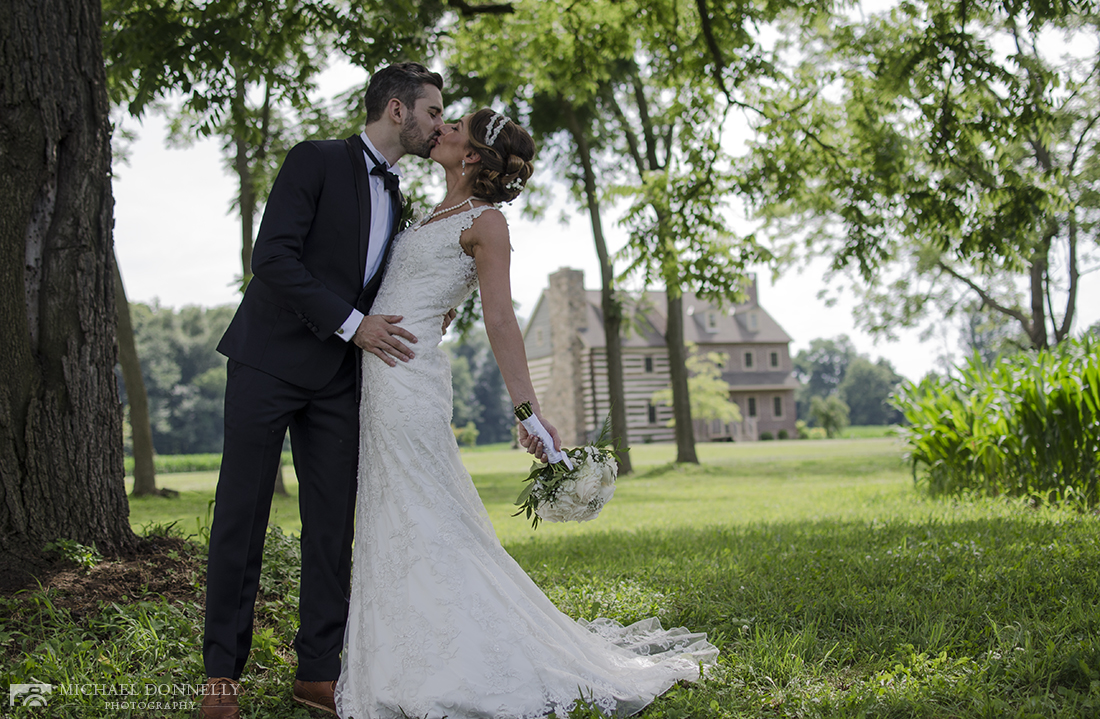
[{"x": 178, "y": 243}]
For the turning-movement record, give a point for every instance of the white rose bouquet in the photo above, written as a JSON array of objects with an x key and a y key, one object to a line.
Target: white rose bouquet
[{"x": 575, "y": 485}]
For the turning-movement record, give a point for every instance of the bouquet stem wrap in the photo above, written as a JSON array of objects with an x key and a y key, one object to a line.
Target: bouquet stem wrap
[{"x": 532, "y": 424}]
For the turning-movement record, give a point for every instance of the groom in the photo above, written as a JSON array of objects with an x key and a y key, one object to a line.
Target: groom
[{"x": 294, "y": 356}]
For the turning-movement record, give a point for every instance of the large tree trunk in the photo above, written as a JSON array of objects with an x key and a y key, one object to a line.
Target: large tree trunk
[
  {"x": 247, "y": 196},
  {"x": 674, "y": 331},
  {"x": 145, "y": 478},
  {"x": 612, "y": 309},
  {"x": 247, "y": 205},
  {"x": 677, "y": 369},
  {"x": 61, "y": 469}
]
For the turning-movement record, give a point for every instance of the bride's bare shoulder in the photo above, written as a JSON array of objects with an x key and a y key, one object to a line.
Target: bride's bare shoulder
[{"x": 488, "y": 231}]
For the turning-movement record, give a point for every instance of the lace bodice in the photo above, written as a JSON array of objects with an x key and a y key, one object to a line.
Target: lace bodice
[
  {"x": 428, "y": 275},
  {"x": 442, "y": 622}
]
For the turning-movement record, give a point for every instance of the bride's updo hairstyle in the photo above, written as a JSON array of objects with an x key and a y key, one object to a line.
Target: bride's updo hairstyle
[{"x": 505, "y": 161}]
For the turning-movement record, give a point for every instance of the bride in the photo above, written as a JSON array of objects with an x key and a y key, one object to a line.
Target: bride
[{"x": 442, "y": 621}]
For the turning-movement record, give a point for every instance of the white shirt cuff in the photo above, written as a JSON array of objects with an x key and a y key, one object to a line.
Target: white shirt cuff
[{"x": 347, "y": 330}]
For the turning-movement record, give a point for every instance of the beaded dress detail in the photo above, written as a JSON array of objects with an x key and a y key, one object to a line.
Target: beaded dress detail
[{"x": 442, "y": 621}]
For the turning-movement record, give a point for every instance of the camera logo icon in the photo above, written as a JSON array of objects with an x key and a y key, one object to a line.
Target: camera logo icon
[{"x": 29, "y": 695}]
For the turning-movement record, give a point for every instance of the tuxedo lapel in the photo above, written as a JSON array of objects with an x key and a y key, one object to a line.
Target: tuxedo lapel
[{"x": 354, "y": 146}]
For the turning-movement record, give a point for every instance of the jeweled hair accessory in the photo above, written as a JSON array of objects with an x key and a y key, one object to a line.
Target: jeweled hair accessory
[
  {"x": 496, "y": 124},
  {"x": 515, "y": 185}
]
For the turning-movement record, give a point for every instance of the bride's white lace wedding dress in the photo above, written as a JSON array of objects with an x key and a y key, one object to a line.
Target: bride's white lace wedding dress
[{"x": 442, "y": 621}]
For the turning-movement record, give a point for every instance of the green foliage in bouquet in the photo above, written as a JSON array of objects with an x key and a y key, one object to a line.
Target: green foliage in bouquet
[{"x": 547, "y": 482}]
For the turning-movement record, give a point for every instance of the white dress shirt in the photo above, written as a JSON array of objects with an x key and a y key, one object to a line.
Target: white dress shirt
[{"x": 381, "y": 219}]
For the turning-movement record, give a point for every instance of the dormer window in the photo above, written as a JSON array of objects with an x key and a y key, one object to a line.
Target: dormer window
[
  {"x": 712, "y": 321},
  {"x": 753, "y": 322}
]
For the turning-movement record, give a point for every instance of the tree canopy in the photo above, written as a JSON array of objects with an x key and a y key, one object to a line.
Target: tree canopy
[{"x": 936, "y": 150}]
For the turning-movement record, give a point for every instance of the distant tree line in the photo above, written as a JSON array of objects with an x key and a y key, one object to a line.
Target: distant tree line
[
  {"x": 185, "y": 379},
  {"x": 837, "y": 380},
  {"x": 480, "y": 397},
  {"x": 184, "y": 375}
]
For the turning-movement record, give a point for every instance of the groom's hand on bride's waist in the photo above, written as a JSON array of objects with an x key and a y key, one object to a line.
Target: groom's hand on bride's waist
[
  {"x": 378, "y": 334},
  {"x": 448, "y": 319}
]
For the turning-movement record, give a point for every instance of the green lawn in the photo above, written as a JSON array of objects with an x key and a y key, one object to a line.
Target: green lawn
[
  {"x": 736, "y": 483},
  {"x": 832, "y": 586}
]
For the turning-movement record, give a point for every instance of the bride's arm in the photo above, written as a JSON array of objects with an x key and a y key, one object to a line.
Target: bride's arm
[{"x": 487, "y": 241}]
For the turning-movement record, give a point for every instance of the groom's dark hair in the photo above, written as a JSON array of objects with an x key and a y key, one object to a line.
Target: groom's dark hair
[{"x": 405, "y": 81}]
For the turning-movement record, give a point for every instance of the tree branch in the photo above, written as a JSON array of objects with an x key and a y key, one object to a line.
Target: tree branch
[
  {"x": 1060, "y": 333},
  {"x": 712, "y": 45},
  {"x": 647, "y": 122},
  {"x": 986, "y": 297},
  {"x": 466, "y": 8},
  {"x": 1081, "y": 142},
  {"x": 628, "y": 131}
]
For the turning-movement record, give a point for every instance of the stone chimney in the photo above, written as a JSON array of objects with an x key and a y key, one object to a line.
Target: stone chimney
[
  {"x": 563, "y": 402},
  {"x": 753, "y": 297}
]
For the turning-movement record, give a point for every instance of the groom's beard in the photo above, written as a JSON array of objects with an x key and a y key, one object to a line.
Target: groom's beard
[{"x": 414, "y": 142}]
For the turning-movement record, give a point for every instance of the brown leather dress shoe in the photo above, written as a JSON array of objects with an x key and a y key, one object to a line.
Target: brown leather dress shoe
[
  {"x": 319, "y": 695},
  {"x": 219, "y": 699}
]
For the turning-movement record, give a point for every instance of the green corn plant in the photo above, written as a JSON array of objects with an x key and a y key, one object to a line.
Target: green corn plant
[{"x": 1027, "y": 426}]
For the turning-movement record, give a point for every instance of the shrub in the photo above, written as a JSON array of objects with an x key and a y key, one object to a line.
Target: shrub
[
  {"x": 1027, "y": 426},
  {"x": 467, "y": 435},
  {"x": 830, "y": 413},
  {"x": 172, "y": 463},
  {"x": 766, "y": 436},
  {"x": 783, "y": 434},
  {"x": 801, "y": 430}
]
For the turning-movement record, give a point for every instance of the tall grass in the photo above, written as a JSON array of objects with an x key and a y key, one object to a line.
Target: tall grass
[{"x": 1028, "y": 426}]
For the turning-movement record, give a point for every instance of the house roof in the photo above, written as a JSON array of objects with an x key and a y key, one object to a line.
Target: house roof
[{"x": 704, "y": 323}]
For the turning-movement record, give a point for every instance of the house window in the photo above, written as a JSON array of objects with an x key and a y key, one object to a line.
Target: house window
[
  {"x": 712, "y": 321},
  {"x": 752, "y": 406},
  {"x": 651, "y": 409},
  {"x": 538, "y": 336},
  {"x": 748, "y": 360},
  {"x": 774, "y": 359},
  {"x": 777, "y": 407},
  {"x": 752, "y": 321},
  {"x": 649, "y": 363}
]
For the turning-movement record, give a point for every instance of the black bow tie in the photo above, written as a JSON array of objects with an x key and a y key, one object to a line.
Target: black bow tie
[{"x": 390, "y": 180}]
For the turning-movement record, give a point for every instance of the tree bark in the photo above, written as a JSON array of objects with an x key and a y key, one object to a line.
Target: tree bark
[
  {"x": 246, "y": 199},
  {"x": 609, "y": 304},
  {"x": 1037, "y": 331},
  {"x": 1074, "y": 277},
  {"x": 61, "y": 468},
  {"x": 674, "y": 331},
  {"x": 678, "y": 373},
  {"x": 145, "y": 478}
]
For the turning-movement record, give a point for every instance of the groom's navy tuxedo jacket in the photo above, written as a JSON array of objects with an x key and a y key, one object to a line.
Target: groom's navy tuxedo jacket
[{"x": 308, "y": 266}]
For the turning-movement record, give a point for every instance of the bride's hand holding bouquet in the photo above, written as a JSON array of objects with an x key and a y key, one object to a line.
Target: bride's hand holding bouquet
[{"x": 573, "y": 485}]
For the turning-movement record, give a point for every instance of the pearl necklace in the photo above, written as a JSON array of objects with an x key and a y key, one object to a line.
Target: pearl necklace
[
  {"x": 468, "y": 201},
  {"x": 437, "y": 213}
]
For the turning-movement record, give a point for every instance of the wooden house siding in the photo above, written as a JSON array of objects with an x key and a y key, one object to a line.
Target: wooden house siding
[{"x": 746, "y": 329}]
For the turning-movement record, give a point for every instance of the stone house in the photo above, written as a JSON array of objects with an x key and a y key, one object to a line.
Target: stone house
[{"x": 566, "y": 353}]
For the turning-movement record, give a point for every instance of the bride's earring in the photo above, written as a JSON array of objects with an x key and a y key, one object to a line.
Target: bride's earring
[{"x": 464, "y": 167}]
